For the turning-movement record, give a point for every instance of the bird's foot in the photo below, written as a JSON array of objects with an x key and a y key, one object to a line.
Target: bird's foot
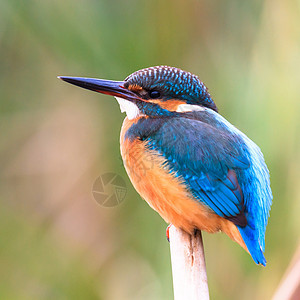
[{"x": 168, "y": 232}]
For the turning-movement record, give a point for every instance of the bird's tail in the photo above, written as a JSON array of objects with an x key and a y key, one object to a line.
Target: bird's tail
[
  {"x": 247, "y": 238},
  {"x": 252, "y": 243}
]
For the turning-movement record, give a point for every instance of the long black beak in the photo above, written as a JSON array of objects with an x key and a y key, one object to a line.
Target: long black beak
[{"x": 108, "y": 87}]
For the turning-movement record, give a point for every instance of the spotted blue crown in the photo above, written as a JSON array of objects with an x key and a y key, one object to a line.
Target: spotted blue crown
[{"x": 173, "y": 83}]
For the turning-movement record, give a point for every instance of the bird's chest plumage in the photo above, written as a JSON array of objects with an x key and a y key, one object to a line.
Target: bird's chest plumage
[{"x": 163, "y": 191}]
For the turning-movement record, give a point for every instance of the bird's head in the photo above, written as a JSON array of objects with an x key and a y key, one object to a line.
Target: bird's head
[{"x": 156, "y": 91}]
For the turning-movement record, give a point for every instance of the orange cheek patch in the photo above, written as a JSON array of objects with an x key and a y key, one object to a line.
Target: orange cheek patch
[{"x": 170, "y": 105}]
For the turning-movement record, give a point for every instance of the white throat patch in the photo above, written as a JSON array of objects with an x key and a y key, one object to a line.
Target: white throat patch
[{"x": 132, "y": 111}]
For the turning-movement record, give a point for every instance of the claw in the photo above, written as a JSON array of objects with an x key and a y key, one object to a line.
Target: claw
[{"x": 168, "y": 232}]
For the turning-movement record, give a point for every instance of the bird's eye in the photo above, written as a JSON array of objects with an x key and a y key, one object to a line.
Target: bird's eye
[{"x": 154, "y": 94}]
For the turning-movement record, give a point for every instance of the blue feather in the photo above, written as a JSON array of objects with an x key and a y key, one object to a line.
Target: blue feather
[{"x": 219, "y": 165}]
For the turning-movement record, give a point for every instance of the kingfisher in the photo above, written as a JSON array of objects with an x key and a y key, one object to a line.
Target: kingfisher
[{"x": 192, "y": 166}]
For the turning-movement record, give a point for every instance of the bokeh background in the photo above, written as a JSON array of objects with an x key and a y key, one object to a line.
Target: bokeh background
[{"x": 56, "y": 242}]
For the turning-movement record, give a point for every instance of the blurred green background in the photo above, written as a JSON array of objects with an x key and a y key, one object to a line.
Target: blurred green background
[{"x": 56, "y": 242}]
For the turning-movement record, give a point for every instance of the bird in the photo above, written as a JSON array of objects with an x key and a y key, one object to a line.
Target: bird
[{"x": 192, "y": 166}]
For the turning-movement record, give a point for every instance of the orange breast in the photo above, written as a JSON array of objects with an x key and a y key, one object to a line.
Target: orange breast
[{"x": 166, "y": 193}]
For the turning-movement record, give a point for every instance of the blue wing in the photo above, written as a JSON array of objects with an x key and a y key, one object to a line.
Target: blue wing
[
  {"x": 207, "y": 159},
  {"x": 220, "y": 166}
]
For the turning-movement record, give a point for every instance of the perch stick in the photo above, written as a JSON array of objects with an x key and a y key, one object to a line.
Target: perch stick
[{"x": 188, "y": 265}]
